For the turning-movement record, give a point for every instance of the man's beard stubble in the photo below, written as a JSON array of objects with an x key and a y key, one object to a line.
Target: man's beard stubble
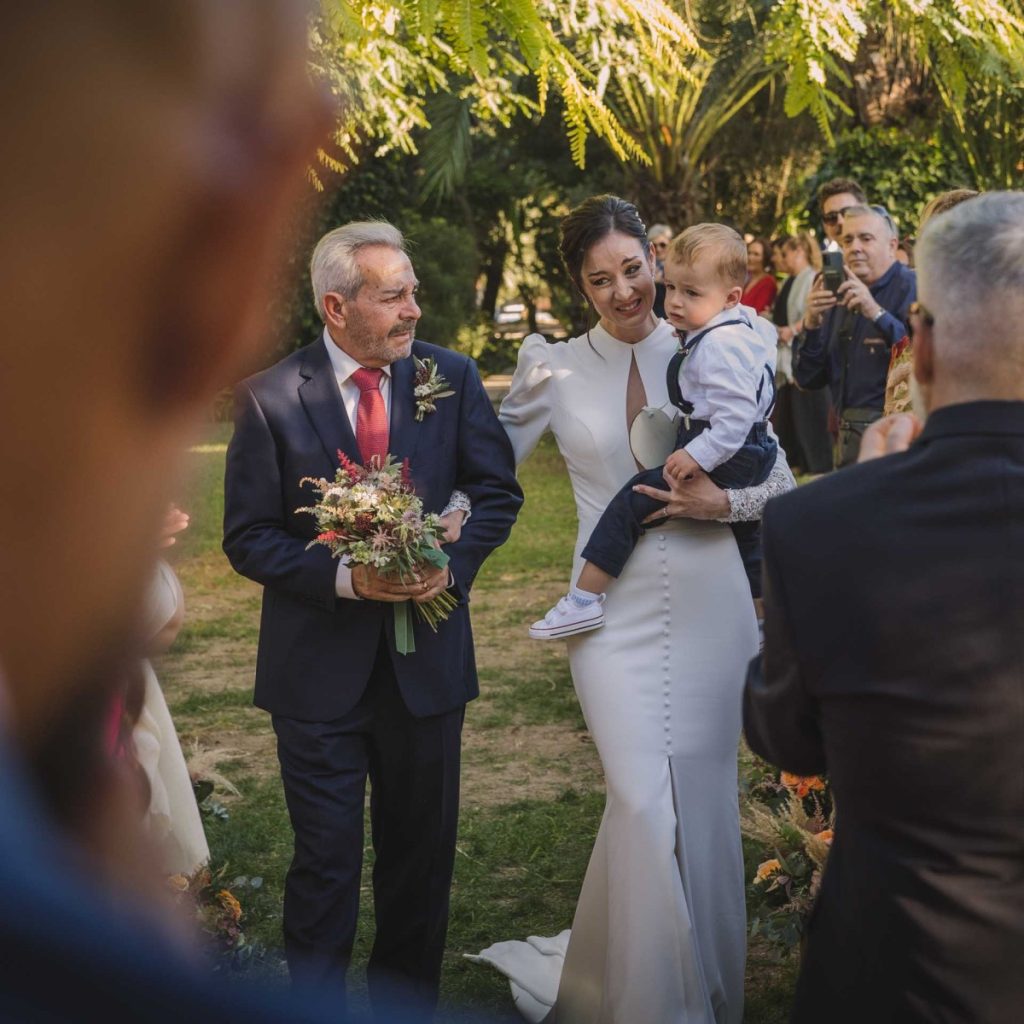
[{"x": 372, "y": 346}]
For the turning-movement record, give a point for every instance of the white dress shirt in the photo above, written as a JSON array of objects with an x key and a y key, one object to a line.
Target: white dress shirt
[
  {"x": 344, "y": 366},
  {"x": 721, "y": 377}
]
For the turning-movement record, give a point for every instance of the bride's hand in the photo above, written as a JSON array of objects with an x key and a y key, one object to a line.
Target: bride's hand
[{"x": 695, "y": 498}]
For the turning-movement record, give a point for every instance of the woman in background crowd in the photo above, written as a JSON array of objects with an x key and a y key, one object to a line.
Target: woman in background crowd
[
  {"x": 801, "y": 417},
  {"x": 761, "y": 287}
]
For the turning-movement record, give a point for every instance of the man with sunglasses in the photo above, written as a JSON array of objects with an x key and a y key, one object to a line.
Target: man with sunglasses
[
  {"x": 849, "y": 334},
  {"x": 835, "y": 197}
]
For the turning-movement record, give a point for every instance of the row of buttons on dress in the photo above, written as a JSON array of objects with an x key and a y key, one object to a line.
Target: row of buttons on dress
[{"x": 666, "y": 644}]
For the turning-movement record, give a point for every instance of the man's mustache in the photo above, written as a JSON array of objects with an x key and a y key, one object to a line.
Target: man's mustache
[{"x": 403, "y": 327}]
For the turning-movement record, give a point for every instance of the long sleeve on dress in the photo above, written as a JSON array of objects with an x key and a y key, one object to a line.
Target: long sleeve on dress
[
  {"x": 747, "y": 503},
  {"x": 526, "y": 410}
]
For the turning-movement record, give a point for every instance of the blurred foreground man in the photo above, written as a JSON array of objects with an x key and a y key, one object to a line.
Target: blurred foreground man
[
  {"x": 900, "y": 671},
  {"x": 136, "y": 248}
]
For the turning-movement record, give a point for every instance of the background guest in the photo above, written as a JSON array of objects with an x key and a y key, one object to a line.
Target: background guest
[
  {"x": 659, "y": 236},
  {"x": 905, "y": 252},
  {"x": 835, "y": 197},
  {"x": 801, "y": 417},
  {"x": 848, "y": 335},
  {"x": 761, "y": 287}
]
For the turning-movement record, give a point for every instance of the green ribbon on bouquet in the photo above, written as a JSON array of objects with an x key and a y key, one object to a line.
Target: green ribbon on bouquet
[{"x": 405, "y": 641}]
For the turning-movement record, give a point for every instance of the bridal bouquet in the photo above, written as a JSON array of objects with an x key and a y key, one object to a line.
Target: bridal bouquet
[{"x": 372, "y": 516}]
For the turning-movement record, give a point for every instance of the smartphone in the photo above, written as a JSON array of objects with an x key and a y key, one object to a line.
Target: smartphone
[{"x": 832, "y": 270}]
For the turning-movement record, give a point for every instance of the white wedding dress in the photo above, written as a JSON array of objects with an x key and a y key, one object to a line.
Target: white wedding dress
[
  {"x": 173, "y": 818},
  {"x": 659, "y": 935}
]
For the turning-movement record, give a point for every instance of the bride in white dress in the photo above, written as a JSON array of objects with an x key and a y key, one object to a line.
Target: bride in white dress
[{"x": 659, "y": 935}]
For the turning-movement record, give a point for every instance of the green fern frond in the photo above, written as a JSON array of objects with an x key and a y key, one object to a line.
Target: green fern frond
[{"x": 446, "y": 147}]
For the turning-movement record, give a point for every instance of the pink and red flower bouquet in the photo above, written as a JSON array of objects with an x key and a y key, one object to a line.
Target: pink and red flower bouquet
[{"x": 371, "y": 515}]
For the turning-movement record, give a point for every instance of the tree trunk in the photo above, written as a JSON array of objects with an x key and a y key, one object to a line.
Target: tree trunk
[{"x": 494, "y": 272}]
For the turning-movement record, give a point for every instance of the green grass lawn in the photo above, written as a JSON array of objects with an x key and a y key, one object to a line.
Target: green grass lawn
[{"x": 532, "y": 788}]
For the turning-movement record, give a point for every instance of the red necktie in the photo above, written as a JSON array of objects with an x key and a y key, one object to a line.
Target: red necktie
[{"x": 371, "y": 417}]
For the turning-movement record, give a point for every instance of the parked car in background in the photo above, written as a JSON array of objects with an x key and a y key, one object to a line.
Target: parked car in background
[{"x": 511, "y": 321}]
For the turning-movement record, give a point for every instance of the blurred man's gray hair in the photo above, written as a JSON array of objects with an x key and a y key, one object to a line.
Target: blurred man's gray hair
[
  {"x": 970, "y": 270},
  {"x": 334, "y": 266}
]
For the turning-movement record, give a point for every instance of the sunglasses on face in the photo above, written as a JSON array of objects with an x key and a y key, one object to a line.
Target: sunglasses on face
[{"x": 832, "y": 218}]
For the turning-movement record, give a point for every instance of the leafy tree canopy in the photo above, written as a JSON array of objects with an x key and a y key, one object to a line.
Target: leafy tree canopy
[
  {"x": 390, "y": 61},
  {"x": 386, "y": 59}
]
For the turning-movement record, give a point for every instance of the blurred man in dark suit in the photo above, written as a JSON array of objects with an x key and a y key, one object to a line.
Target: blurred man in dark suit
[{"x": 895, "y": 662}]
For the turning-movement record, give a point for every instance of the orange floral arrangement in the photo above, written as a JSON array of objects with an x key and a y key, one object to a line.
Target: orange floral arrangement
[
  {"x": 790, "y": 817},
  {"x": 216, "y": 910},
  {"x": 803, "y": 785},
  {"x": 767, "y": 869}
]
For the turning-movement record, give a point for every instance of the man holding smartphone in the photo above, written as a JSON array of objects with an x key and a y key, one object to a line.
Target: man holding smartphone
[{"x": 852, "y": 321}]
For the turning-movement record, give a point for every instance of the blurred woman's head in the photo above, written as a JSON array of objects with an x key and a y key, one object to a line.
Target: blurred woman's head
[
  {"x": 801, "y": 251},
  {"x": 944, "y": 202}
]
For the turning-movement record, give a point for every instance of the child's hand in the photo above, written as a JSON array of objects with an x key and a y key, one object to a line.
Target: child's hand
[{"x": 680, "y": 465}]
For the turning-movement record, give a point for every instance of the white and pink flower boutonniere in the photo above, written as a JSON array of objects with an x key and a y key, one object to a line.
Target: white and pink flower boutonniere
[{"x": 429, "y": 387}]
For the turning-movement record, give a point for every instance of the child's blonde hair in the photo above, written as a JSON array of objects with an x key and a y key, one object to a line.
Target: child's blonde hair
[{"x": 714, "y": 243}]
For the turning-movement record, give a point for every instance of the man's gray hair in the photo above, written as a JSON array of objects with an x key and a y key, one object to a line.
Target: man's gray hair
[
  {"x": 880, "y": 212},
  {"x": 334, "y": 266},
  {"x": 970, "y": 267}
]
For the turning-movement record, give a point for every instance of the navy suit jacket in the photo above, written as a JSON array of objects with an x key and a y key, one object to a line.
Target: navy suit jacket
[
  {"x": 894, "y": 660},
  {"x": 317, "y": 651}
]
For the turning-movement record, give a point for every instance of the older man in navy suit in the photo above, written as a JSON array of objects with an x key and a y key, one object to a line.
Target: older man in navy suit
[{"x": 345, "y": 705}]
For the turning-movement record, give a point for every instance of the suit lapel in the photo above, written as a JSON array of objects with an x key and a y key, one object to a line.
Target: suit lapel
[
  {"x": 321, "y": 399},
  {"x": 404, "y": 428}
]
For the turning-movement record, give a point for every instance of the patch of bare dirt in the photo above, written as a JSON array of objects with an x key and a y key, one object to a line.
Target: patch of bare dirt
[
  {"x": 235, "y": 753},
  {"x": 212, "y": 666},
  {"x": 526, "y": 762}
]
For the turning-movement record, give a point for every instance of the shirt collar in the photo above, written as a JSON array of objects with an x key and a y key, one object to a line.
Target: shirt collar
[
  {"x": 886, "y": 277},
  {"x": 988, "y": 417},
  {"x": 341, "y": 362},
  {"x": 737, "y": 312}
]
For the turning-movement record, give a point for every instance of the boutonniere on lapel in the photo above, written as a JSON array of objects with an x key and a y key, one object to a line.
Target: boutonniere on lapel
[{"x": 428, "y": 387}]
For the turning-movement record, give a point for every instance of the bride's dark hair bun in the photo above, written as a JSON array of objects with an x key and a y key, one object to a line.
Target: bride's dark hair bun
[{"x": 591, "y": 221}]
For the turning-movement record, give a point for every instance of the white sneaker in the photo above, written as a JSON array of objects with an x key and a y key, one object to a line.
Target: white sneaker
[{"x": 568, "y": 618}]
